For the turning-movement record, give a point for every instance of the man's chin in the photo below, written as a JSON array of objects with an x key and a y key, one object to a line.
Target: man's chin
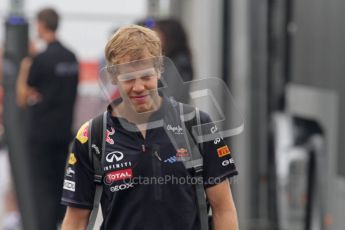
[{"x": 143, "y": 108}]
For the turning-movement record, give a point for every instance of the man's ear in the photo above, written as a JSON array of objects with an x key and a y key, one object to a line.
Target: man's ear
[
  {"x": 114, "y": 82},
  {"x": 159, "y": 73}
]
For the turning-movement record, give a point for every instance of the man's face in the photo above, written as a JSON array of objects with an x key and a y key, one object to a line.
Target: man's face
[
  {"x": 138, "y": 83},
  {"x": 40, "y": 27}
]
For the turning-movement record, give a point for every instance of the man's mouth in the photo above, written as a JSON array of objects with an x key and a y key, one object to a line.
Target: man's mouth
[{"x": 140, "y": 98}]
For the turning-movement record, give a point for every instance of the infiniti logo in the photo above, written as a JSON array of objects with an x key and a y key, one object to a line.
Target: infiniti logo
[{"x": 114, "y": 155}]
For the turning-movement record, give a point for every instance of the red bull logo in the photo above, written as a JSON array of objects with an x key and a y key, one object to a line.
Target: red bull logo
[{"x": 181, "y": 152}]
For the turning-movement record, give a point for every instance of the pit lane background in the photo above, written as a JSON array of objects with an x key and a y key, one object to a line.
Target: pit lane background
[{"x": 267, "y": 51}]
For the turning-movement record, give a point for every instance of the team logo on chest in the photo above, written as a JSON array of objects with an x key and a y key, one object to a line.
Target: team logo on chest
[
  {"x": 108, "y": 139},
  {"x": 114, "y": 161},
  {"x": 114, "y": 156},
  {"x": 111, "y": 177}
]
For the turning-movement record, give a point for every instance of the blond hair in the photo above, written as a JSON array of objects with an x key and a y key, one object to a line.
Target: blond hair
[{"x": 132, "y": 42}]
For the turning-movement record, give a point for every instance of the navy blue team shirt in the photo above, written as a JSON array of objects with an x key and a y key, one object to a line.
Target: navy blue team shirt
[{"x": 133, "y": 197}]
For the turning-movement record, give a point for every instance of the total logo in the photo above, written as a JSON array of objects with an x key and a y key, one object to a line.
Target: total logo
[
  {"x": 118, "y": 175},
  {"x": 116, "y": 155},
  {"x": 227, "y": 162},
  {"x": 121, "y": 187}
]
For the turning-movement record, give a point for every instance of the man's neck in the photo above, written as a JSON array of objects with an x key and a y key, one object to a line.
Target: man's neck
[{"x": 50, "y": 37}]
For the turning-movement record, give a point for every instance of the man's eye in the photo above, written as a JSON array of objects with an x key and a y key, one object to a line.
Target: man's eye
[
  {"x": 126, "y": 78},
  {"x": 147, "y": 77}
]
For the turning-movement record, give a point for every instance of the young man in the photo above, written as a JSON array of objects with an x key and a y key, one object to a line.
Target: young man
[
  {"x": 137, "y": 148},
  {"x": 52, "y": 79}
]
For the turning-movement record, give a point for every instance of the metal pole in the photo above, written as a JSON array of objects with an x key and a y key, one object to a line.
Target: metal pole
[{"x": 16, "y": 48}]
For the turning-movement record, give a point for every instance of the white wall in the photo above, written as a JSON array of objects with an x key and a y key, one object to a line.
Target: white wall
[
  {"x": 85, "y": 24},
  {"x": 202, "y": 19}
]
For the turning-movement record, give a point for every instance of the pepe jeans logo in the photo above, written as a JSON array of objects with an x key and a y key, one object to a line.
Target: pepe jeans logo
[{"x": 175, "y": 129}]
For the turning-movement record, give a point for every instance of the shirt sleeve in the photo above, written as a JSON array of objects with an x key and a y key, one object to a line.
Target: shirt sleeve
[
  {"x": 78, "y": 186},
  {"x": 217, "y": 156}
]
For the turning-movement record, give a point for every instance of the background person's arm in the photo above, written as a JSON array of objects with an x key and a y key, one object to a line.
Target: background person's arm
[
  {"x": 223, "y": 207},
  {"x": 76, "y": 219},
  {"x": 23, "y": 91}
]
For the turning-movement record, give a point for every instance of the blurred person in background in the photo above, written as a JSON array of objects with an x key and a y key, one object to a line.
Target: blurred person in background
[
  {"x": 175, "y": 46},
  {"x": 51, "y": 79}
]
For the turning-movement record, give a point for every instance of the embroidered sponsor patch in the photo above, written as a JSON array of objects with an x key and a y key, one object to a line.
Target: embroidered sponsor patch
[
  {"x": 182, "y": 152},
  {"x": 69, "y": 185},
  {"x": 227, "y": 162},
  {"x": 118, "y": 175},
  {"x": 223, "y": 151},
  {"x": 82, "y": 135},
  {"x": 121, "y": 187},
  {"x": 69, "y": 172},
  {"x": 72, "y": 159}
]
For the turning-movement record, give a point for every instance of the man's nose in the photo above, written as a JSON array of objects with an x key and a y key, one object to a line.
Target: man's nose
[{"x": 138, "y": 85}]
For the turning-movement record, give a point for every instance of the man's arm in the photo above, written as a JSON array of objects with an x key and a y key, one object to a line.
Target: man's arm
[
  {"x": 23, "y": 90},
  {"x": 223, "y": 207},
  {"x": 76, "y": 219}
]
